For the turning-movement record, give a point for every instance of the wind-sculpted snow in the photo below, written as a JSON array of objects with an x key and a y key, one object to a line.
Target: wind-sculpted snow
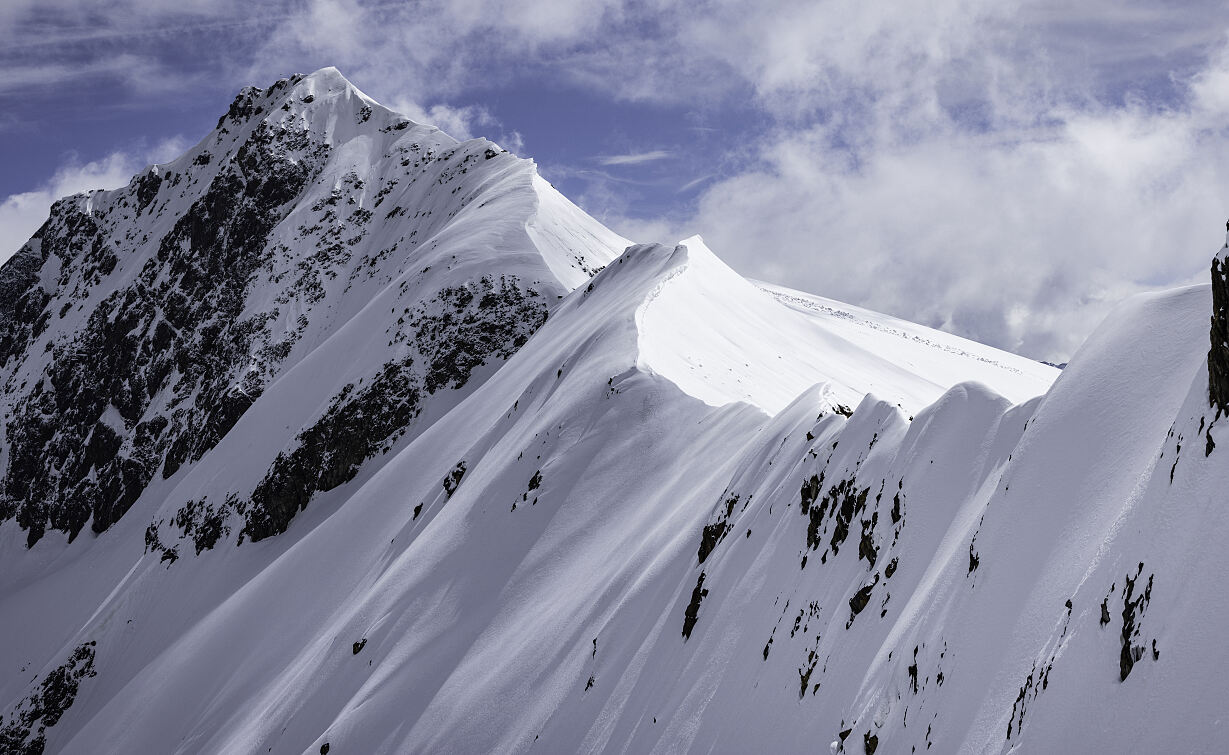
[
  {"x": 722, "y": 339},
  {"x": 501, "y": 487},
  {"x": 939, "y": 359}
]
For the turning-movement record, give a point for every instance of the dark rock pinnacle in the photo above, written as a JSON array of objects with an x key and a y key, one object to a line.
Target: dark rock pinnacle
[{"x": 1218, "y": 354}]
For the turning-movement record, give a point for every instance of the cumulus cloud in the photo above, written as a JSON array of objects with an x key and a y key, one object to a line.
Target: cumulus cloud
[
  {"x": 461, "y": 122},
  {"x": 457, "y": 122}
]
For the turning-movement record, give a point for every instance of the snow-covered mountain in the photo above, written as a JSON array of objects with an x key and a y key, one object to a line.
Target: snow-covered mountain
[{"x": 385, "y": 446}]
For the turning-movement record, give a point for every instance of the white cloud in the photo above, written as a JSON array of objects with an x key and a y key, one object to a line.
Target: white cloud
[
  {"x": 458, "y": 122},
  {"x": 429, "y": 50},
  {"x": 693, "y": 183},
  {"x": 461, "y": 122},
  {"x": 635, "y": 158}
]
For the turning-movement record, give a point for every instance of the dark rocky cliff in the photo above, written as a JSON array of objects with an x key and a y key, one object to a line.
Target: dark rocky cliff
[{"x": 1218, "y": 353}]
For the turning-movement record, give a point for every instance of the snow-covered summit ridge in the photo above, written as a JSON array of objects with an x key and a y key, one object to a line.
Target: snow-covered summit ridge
[
  {"x": 723, "y": 339},
  {"x": 365, "y": 137},
  {"x": 790, "y": 353}
]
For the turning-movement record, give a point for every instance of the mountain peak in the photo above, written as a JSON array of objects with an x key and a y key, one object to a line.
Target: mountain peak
[
  {"x": 329, "y": 85},
  {"x": 323, "y": 102},
  {"x": 329, "y": 76},
  {"x": 232, "y": 264}
]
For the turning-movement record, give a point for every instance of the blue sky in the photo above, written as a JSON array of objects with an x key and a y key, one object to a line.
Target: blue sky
[{"x": 1004, "y": 170}]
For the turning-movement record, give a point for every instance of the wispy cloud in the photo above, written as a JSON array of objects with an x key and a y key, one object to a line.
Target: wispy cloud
[
  {"x": 693, "y": 183},
  {"x": 635, "y": 158}
]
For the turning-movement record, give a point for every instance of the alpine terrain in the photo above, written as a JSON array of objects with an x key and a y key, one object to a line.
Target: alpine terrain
[{"x": 338, "y": 435}]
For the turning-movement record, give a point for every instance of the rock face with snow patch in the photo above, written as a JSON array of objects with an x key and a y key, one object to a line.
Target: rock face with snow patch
[{"x": 144, "y": 322}]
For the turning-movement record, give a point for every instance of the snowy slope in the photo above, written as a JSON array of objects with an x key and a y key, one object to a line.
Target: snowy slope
[
  {"x": 938, "y": 358},
  {"x": 512, "y": 488},
  {"x": 1004, "y": 515},
  {"x": 721, "y": 339}
]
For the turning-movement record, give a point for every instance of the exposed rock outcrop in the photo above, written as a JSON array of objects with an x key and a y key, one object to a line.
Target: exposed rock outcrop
[{"x": 1218, "y": 353}]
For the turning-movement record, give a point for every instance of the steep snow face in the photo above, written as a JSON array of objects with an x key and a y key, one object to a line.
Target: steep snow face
[
  {"x": 483, "y": 481},
  {"x": 936, "y": 359},
  {"x": 722, "y": 339},
  {"x": 573, "y": 244}
]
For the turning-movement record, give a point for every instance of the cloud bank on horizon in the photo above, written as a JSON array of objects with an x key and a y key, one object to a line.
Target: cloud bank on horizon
[{"x": 1003, "y": 170}]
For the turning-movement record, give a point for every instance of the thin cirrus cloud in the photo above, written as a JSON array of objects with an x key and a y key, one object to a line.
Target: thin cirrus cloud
[
  {"x": 1005, "y": 170},
  {"x": 635, "y": 158}
]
